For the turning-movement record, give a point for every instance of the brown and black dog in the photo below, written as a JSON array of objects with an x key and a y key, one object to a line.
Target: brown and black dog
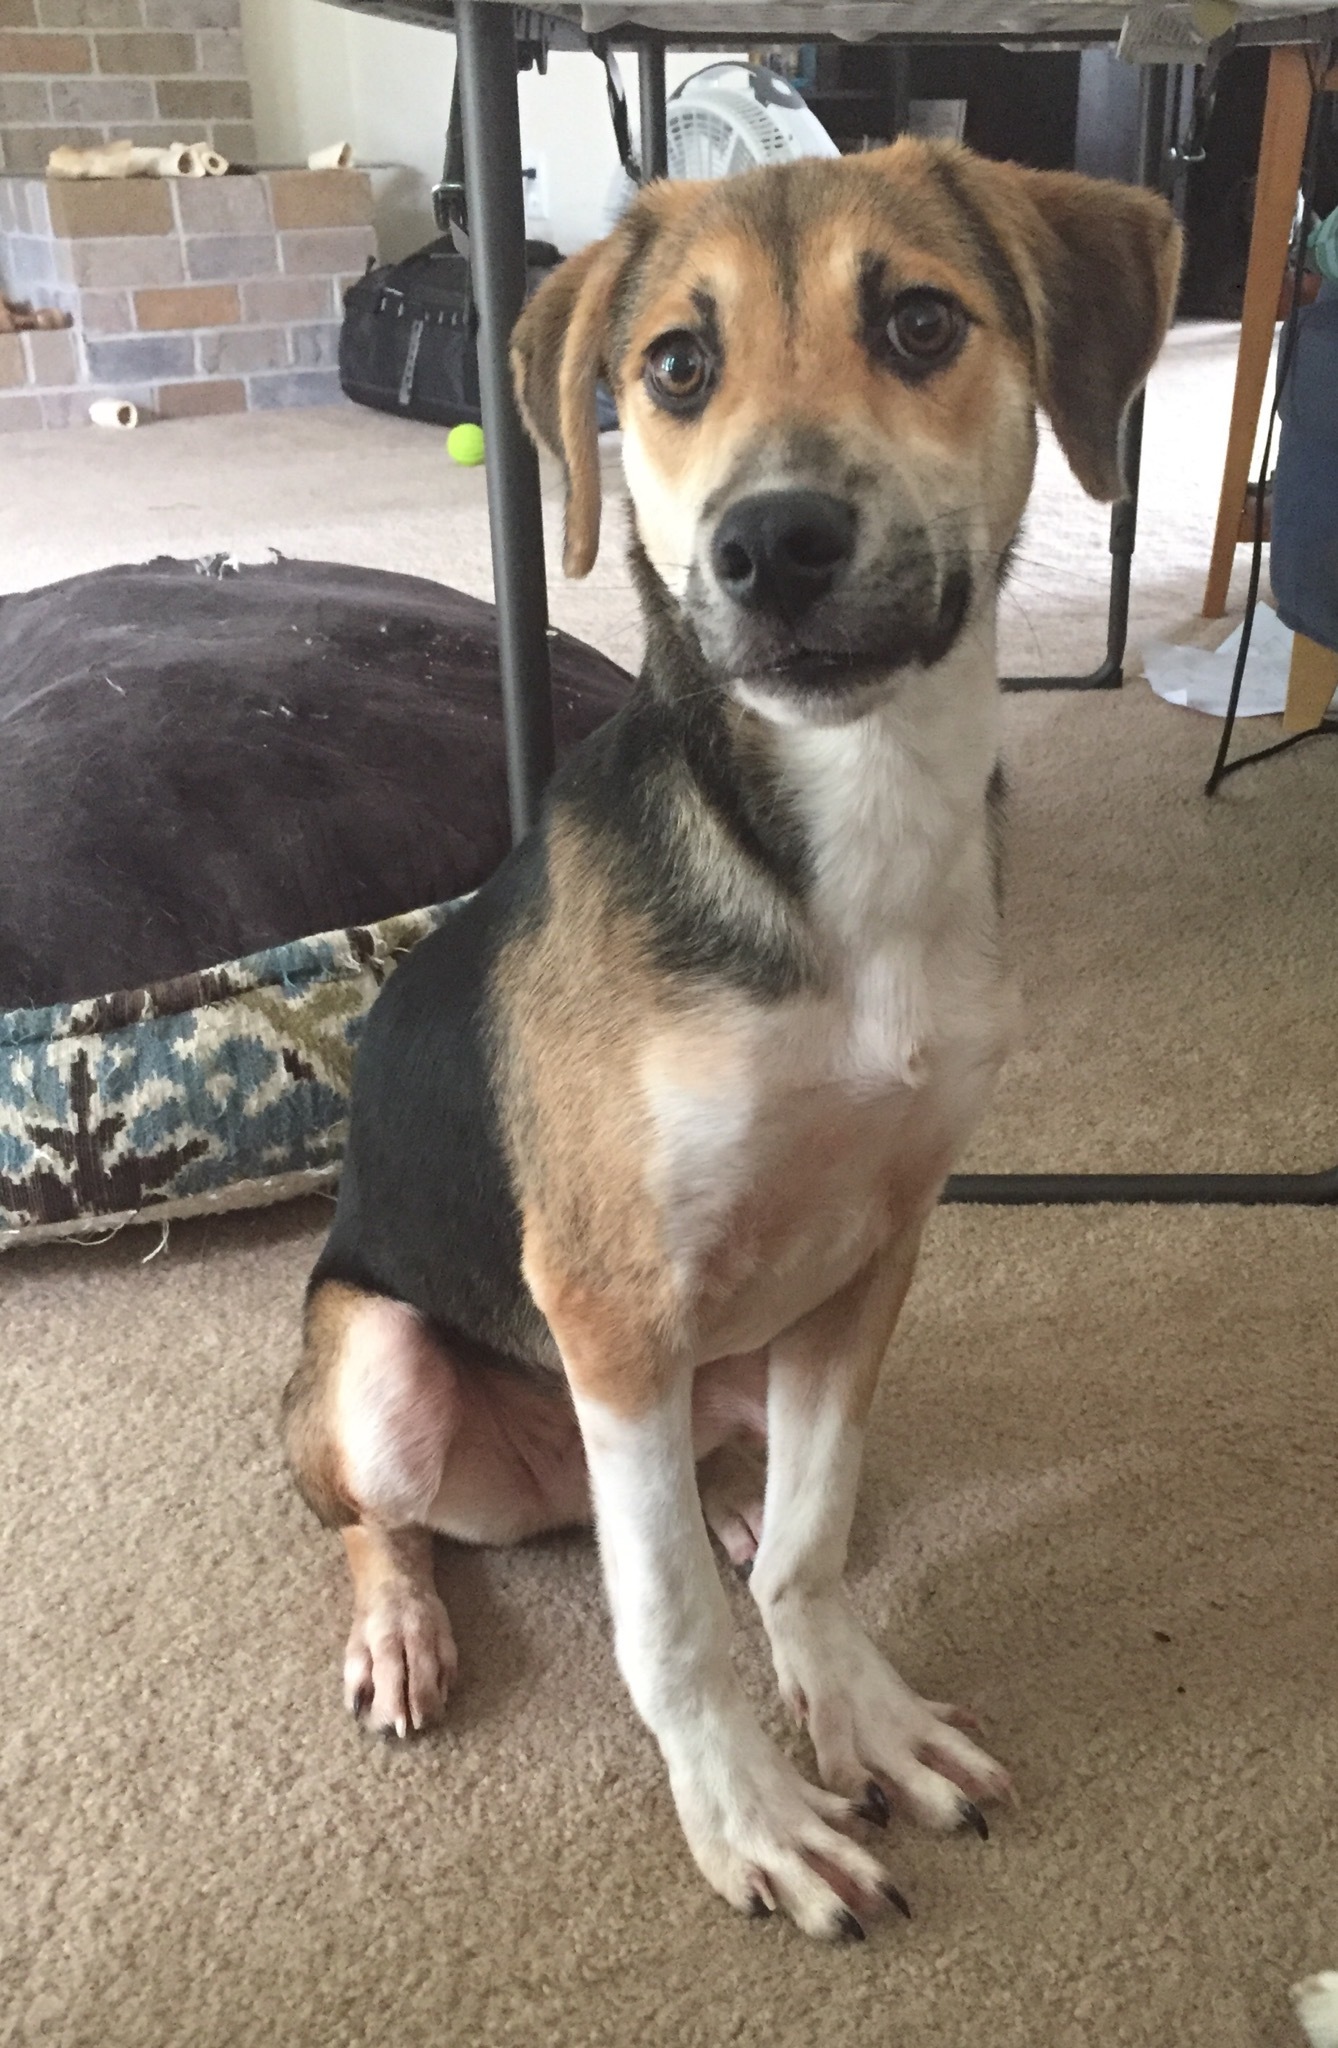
[{"x": 643, "y": 1140}]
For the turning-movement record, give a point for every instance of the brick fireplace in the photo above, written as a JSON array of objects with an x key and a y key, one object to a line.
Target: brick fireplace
[{"x": 186, "y": 295}]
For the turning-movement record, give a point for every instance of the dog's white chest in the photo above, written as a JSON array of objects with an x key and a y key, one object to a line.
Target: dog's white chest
[
  {"x": 789, "y": 1145},
  {"x": 791, "y": 1140}
]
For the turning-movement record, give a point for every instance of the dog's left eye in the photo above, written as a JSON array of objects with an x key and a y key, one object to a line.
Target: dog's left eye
[
  {"x": 678, "y": 370},
  {"x": 925, "y": 328}
]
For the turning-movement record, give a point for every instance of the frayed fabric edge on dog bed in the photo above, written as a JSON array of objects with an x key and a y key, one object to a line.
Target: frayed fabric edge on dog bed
[{"x": 219, "y": 1089}]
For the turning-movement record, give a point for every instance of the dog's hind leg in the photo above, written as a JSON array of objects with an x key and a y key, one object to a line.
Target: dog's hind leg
[
  {"x": 400, "y": 1658},
  {"x": 732, "y": 1484},
  {"x": 369, "y": 1419},
  {"x": 729, "y": 1428},
  {"x": 392, "y": 1434}
]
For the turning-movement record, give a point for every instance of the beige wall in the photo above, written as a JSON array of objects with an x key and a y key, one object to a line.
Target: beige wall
[
  {"x": 297, "y": 60},
  {"x": 319, "y": 73}
]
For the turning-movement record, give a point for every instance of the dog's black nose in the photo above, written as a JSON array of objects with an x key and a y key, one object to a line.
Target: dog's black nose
[{"x": 780, "y": 551}]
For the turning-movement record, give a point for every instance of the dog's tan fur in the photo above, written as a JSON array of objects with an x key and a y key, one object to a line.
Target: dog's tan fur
[
  {"x": 311, "y": 1436},
  {"x": 733, "y": 1033},
  {"x": 1044, "y": 222}
]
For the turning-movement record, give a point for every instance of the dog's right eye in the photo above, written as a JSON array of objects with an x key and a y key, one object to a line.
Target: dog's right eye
[
  {"x": 925, "y": 330},
  {"x": 678, "y": 371}
]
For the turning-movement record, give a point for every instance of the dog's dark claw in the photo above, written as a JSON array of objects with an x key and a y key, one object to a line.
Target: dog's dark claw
[
  {"x": 849, "y": 1928},
  {"x": 362, "y": 1700},
  {"x": 758, "y": 1909},
  {"x": 972, "y": 1817},
  {"x": 874, "y": 1806},
  {"x": 895, "y": 1898},
  {"x": 745, "y": 1570}
]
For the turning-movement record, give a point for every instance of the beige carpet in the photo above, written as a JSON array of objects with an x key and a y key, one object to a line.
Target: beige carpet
[{"x": 1099, "y": 1499}]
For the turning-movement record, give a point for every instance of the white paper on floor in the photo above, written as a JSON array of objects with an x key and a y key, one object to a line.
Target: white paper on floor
[
  {"x": 1202, "y": 680},
  {"x": 1316, "y": 2002}
]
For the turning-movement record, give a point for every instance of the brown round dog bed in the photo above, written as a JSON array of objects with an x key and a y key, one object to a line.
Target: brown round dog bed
[{"x": 230, "y": 798}]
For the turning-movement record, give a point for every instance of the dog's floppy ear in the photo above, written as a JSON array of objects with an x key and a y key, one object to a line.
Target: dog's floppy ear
[
  {"x": 1099, "y": 264},
  {"x": 557, "y": 358}
]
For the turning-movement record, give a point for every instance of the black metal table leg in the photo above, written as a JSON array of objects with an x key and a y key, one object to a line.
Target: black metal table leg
[
  {"x": 1109, "y": 674},
  {"x": 494, "y": 182},
  {"x": 1035, "y": 1189},
  {"x": 493, "y": 168},
  {"x": 654, "y": 115},
  {"x": 1251, "y": 1190}
]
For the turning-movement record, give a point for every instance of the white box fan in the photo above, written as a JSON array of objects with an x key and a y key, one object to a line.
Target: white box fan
[{"x": 728, "y": 118}]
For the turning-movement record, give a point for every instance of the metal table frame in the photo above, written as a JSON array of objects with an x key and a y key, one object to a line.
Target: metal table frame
[{"x": 487, "y": 60}]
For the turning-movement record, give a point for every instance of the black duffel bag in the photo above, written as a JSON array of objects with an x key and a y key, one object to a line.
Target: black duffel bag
[{"x": 409, "y": 343}]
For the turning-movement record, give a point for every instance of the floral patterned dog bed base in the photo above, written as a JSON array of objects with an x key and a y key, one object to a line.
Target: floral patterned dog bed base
[{"x": 220, "y": 1089}]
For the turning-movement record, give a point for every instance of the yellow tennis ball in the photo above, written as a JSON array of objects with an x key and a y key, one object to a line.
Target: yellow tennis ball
[{"x": 464, "y": 444}]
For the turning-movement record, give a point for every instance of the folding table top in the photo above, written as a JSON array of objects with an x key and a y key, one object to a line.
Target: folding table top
[{"x": 701, "y": 22}]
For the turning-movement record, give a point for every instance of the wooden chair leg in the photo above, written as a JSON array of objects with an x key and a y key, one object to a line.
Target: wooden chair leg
[
  {"x": 1311, "y": 682},
  {"x": 1281, "y": 148}
]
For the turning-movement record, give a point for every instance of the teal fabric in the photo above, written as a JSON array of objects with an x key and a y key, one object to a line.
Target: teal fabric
[{"x": 160, "y": 1099}]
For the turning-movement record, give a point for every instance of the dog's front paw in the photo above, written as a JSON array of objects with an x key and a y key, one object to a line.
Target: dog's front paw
[
  {"x": 400, "y": 1660},
  {"x": 867, "y": 1725},
  {"x": 766, "y": 1839}
]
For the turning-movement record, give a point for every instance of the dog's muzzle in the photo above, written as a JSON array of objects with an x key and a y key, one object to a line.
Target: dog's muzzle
[{"x": 789, "y": 609}]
